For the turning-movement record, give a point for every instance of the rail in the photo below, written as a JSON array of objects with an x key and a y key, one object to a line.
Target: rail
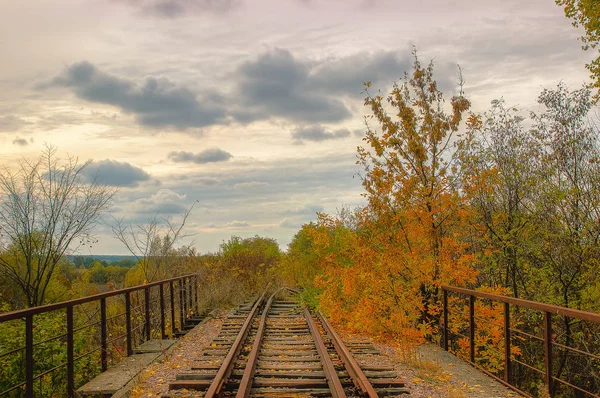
[
  {"x": 524, "y": 337},
  {"x": 246, "y": 383},
  {"x": 227, "y": 366},
  {"x": 288, "y": 353},
  {"x": 93, "y": 331},
  {"x": 356, "y": 374}
]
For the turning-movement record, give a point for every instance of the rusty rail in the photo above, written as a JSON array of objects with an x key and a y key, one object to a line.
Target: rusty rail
[
  {"x": 246, "y": 383},
  {"x": 548, "y": 339},
  {"x": 214, "y": 390},
  {"x": 32, "y": 372},
  {"x": 335, "y": 385},
  {"x": 356, "y": 374}
]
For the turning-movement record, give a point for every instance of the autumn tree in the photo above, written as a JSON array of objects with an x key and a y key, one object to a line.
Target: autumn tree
[
  {"x": 411, "y": 181},
  {"x": 47, "y": 210},
  {"x": 380, "y": 267},
  {"x": 250, "y": 258},
  {"x": 586, "y": 14},
  {"x": 241, "y": 268},
  {"x": 300, "y": 265}
]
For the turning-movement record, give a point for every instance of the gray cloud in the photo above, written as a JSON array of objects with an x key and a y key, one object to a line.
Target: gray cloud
[
  {"x": 21, "y": 141},
  {"x": 170, "y": 9},
  {"x": 318, "y": 133},
  {"x": 277, "y": 84},
  {"x": 274, "y": 85},
  {"x": 165, "y": 201},
  {"x": 346, "y": 75},
  {"x": 118, "y": 174},
  {"x": 210, "y": 155},
  {"x": 11, "y": 123},
  {"x": 156, "y": 102}
]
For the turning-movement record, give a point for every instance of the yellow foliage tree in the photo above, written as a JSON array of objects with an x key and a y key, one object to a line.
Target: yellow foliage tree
[{"x": 415, "y": 233}]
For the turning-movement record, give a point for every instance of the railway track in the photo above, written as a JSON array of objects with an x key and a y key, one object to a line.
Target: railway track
[{"x": 274, "y": 348}]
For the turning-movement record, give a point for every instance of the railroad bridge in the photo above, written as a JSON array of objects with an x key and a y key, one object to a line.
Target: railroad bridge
[{"x": 269, "y": 347}]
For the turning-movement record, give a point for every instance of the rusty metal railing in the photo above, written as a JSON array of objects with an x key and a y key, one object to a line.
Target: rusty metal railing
[
  {"x": 105, "y": 332},
  {"x": 534, "y": 340}
]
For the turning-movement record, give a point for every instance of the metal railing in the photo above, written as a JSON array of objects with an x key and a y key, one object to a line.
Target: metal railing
[
  {"x": 93, "y": 332},
  {"x": 517, "y": 341}
]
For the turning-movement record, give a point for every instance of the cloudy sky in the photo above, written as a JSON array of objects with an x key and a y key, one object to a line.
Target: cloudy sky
[{"x": 253, "y": 108}]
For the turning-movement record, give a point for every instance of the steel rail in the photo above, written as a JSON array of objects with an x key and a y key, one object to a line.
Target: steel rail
[
  {"x": 354, "y": 371},
  {"x": 226, "y": 368},
  {"x": 335, "y": 385},
  {"x": 246, "y": 383}
]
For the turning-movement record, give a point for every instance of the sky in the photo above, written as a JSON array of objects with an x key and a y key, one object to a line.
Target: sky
[{"x": 250, "y": 109}]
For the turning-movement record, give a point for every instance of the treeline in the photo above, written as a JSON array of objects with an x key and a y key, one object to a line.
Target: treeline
[
  {"x": 237, "y": 270},
  {"x": 87, "y": 261}
]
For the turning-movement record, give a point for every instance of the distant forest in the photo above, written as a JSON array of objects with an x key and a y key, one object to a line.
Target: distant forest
[{"x": 82, "y": 261}]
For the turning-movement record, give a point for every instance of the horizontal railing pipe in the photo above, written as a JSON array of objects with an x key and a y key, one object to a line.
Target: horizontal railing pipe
[
  {"x": 9, "y": 316},
  {"x": 534, "y": 305}
]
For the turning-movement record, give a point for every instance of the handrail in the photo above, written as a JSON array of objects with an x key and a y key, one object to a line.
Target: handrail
[
  {"x": 548, "y": 338},
  {"x": 534, "y": 305},
  {"x": 186, "y": 303},
  {"x": 9, "y": 316}
]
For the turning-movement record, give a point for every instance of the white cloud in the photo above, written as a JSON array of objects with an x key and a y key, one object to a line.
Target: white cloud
[{"x": 237, "y": 224}]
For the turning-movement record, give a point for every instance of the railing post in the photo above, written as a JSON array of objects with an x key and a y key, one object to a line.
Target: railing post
[
  {"x": 507, "y": 364},
  {"x": 190, "y": 290},
  {"x": 472, "y": 327},
  {"x": 161, "y": 292},
  {"x": 172, "y": 294},
  {"x": 445, "y": 320},
  {"x": 70, "y": 354},
  {"x": 147, "y": 311},
  {"x": 128, "y": 323},
  {"x": 196, "y": 294},
  {"x": 181, "y": 303},
  {"x": 103, "y": 335},
  {"x": 29, "y": 356},
  {"x": 548, "y": 351}
]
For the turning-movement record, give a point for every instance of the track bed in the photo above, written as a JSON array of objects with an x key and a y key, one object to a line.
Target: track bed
[{"x": 275, "y": 348}]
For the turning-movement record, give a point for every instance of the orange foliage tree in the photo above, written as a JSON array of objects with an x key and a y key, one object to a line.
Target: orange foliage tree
[{"x": 415, "y": 233}]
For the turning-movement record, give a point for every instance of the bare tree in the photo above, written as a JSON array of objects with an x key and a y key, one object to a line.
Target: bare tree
[
  {"x": 47, "y": 210},
  {"x": 152, "y": 243}
]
